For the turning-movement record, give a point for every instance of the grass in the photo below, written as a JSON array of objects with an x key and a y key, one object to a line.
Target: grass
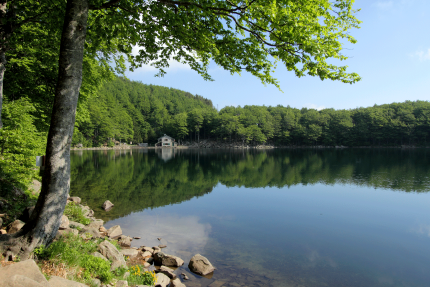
[
  {"x": 74, "y": 254},
  {"x": 74, "y": 213}
]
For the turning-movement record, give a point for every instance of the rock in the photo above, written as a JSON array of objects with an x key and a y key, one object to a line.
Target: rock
[
  {"x": 124, "y": 241},
  {"x": 75, "y": 199},
  {"x": 166, "y": 271},
  {"x": 64, "y": 222},
  {"x": 161, "y": 258},
  {"x": 98, "y": 223},
  {"x": 76, "y": 225},
  {"x": 99, "y": 255},
  {"x": 121, "y": 283},
  {"x": 107, "y": 205},
  {"x": 19, "y": 281},
  {"x": 150, "y": 260},
  {"x": 126, "y": 274},
  {"x": 15, "y": 226},
  {"x": 184, "y": 276},
  {"x": 162, "y": 246},
  {"x": 136, "y": 237},
  {"x": 200, "y": 265},
  {"x": 96, "y": 282},
  {"x": 94, "y": 232},
  {"x": 79, "y": 145},
  {"x": 60, "y": 233},
  {"x": 146, "y": 254},
  {"x": 176, "y": 283},
  {"x": 156, "y": 249},
  {"x": 146, "y": 264},
  {"x": 3, "y": 231},
  {"x": 62, "y": 282},
  {"x": 87, "y": 212},
  {"x": 114, "y": 231},
  {"x": 129, "y": 252},
  {"x": 1, "y": 221},
  {"x": 162, "y": 280},
  {"x": 28, "y": 269},
  {"x": 146, "y": 248},
  {"x": 102, "y": 229},
  {"x": 109, "y": 251}
]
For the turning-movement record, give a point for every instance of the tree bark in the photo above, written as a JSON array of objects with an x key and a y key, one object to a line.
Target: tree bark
[
  {"x": 45, "y": 219},
  {"x": 2, "y": 53}
]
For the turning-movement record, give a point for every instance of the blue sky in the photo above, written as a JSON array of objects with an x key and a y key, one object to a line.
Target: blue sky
[{"x": 392, "y": 56}]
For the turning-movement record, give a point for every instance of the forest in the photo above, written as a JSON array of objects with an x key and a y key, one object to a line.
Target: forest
[{"x": 134, "y": 112}]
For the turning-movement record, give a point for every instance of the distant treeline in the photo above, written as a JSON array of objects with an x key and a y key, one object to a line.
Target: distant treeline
[{"x": 133, "y": 112}]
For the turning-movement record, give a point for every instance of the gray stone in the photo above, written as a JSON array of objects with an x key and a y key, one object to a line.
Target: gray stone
[
  {"x": 96, "y": 282},
  {"x": 76, "y": 225},
  {"x": 162, "y": 246},
  {"x": 200, "y": 265},
  {"x": 20, "y": 281},
  {"x": 217, "y": 283},
  {"x": 75, "y": 199},
  {"x": 129, "y": 252},
  {"x": 90, "y": 232},
  {"x": 121, "y": 283},
  {"x": 99, "y": 255},
  {"x": 107, "y": 205},
  {"x": 166, "y": 271},
  {"x": 176, "y": 283},
  {"x": 156, "y": 248},
  {"x": 146, "y": 254},
  {"x": 124, "y": 241},
  {"x": 109, "y": 251},
  {"x": 146, "y": 248},
  {"x": 15, "y": 226},
  {"x": 162, "y": 280},
  {"x": 114, "y": 231},
  {"x": 161, "y": 258},
  {"x": 87, "y": 212},
  {"x": 96, "y": 224},
  {"x": 60, "y": 233},
  {"x": 27, "y": 268},
  {"x": 61, "y": 282},
  {"x": 64, "y": 222}
]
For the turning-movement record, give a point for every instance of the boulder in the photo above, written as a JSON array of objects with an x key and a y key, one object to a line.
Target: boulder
[
  {"x": 146, "y": 254},
  {"x": 28, "y": 269},
  {"x": 125, "y": 241},
  {"x": 146, "y": 248},
  {"x": 161, "y": 258},
  {"x": 114, "y": 231},
  {"x": 162, "y": 280},
  {"x": 64, "y": 222},
  {"x": 110, "y": 252},
  {"x": 75, "y": 199},
  {"x": 121, "y": 283},
  {"x": 107, "y": 205},
  {"x": 200, "y": 265},
  {"x": 98, "y": 223},
  {"x": 62, "y": 282},
  {"x": 166, "y": 271},
  {"x": 102, "y": 229},
  {"x": 15, "y": 226},
  {"x": 76, "y": 225},
  {"x": 20, "y": 281},
  {"x": 60, "y": 233},
  {"x": 90, "y": 232},
  {"x": 129, "y": 252},
  {"x": 176, "y": 283},
  {"x": 87, "y": 212}
]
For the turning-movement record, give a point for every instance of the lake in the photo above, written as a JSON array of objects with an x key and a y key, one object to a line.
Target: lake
[{"x": 282, "y": 217}]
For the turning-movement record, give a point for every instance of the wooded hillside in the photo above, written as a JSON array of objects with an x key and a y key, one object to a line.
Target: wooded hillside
[{"x": 131, "y": 111}]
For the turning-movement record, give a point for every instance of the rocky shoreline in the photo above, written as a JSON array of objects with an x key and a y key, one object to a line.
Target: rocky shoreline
[{"x": 27, "y": 273}]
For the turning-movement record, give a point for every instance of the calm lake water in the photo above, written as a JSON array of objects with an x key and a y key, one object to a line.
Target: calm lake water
[{"x": 352, "y": 217}]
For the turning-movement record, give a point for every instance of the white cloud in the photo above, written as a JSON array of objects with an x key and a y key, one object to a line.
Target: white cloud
[
  {"x": 422, "y": 229},
  {"x": 422, "y": 55},
  {"x": 315, "y": 107},
  {"x": 384, "y": 5}
]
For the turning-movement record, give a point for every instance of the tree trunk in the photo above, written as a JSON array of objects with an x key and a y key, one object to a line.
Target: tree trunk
[
  {"x": 45, "y": 220},
  {"x": 2, "y": 54}
]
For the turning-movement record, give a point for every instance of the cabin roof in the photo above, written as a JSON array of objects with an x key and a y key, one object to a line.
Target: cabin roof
[{"x": 166, "y": 136}]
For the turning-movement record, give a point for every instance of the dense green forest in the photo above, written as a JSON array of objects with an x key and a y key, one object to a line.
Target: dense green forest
[
  {"x": 138, "y": 179},
  {"x": 131, "y": 111}
]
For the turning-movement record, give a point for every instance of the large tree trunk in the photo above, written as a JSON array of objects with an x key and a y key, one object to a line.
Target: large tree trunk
[
  {"x": 2, "y": 54},
  {"x": 45, "y": 220}
]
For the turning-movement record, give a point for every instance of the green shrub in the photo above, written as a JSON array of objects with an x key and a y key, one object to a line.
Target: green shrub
[{"x": 74, "y": 213}]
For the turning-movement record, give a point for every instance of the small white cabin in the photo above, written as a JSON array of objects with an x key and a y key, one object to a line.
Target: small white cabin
[{"x": 166, "y": 141}]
